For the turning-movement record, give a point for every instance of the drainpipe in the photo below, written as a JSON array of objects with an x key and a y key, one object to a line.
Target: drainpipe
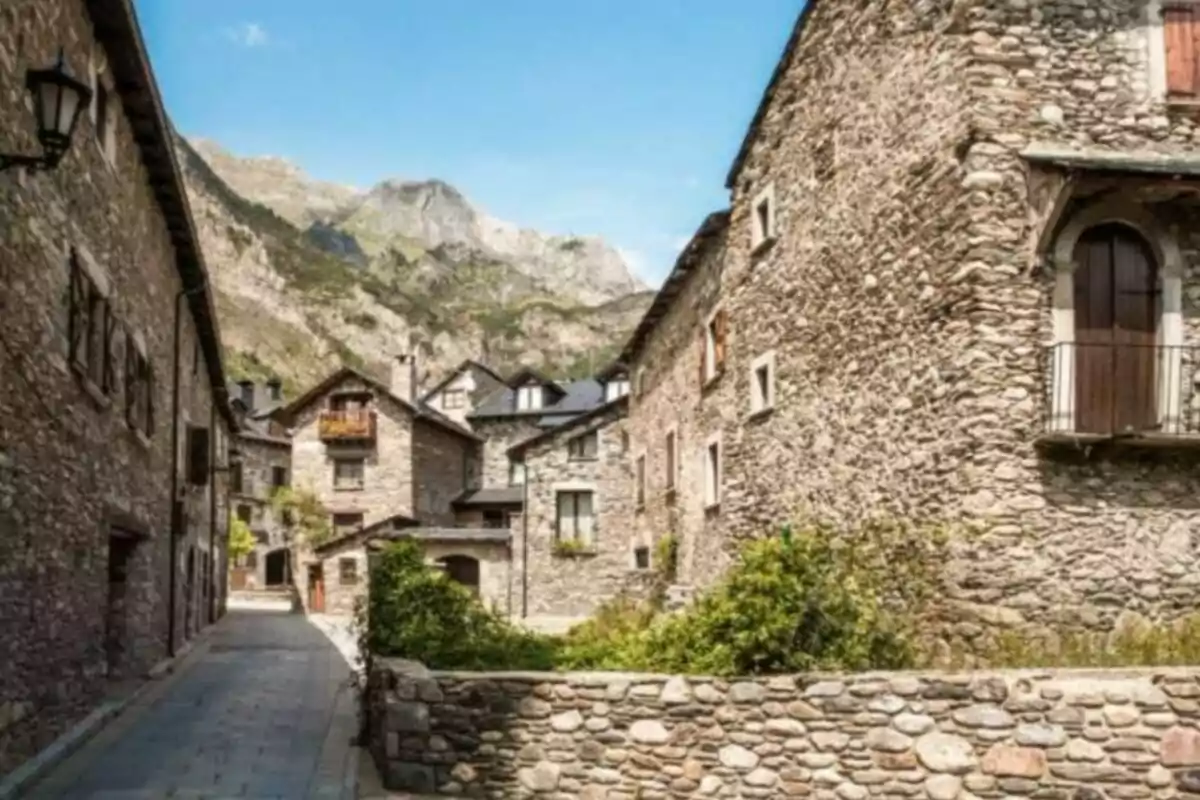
[
  {"x": 525, "y": 540},
  {"x": 176, "y": 506},
  {"x": 212, "y": 512}
]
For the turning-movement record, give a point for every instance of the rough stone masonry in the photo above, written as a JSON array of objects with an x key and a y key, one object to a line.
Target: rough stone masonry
[{"x": 1080, "y": 735}]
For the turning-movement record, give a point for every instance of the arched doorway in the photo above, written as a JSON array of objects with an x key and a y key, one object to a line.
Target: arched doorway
[
  {"x": 277, "y": 567},
  {"x": 463, "y": 569},
  {"x": 1117, "y": 312}
]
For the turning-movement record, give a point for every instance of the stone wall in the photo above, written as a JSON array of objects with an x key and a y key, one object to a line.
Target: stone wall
[
  {"x": 476, "y": 383},
  {"x": 439, "y": 470},
  {"x": 1055, "y": 735},
  {"x": 673, "y": 400},
  {"x": 72, "y": 471},
  {"x": 573, "y": 585},
  {"x": 501, "y": 434},
  {"x": 495, "y": 569},
  {"x": 259, "y": 458}
]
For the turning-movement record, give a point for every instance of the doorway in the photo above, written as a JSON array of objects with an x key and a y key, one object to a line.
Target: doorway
[
  {"x": 277, "y": 568},
  {"x": 1117, "y": 308},
  {"x": 121, "y": 547},
  {"x": 316, "y": 589}
]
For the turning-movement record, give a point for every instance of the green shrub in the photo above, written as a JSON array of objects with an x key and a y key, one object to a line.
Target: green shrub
[
  {"x": 1138, "y": 643},
  {"x": 610, "y": 638},
  {"x": 418, "y": 613},
  {"x": 666, "y": 557}
]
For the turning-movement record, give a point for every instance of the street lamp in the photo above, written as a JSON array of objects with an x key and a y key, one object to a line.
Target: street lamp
[{"x": 58, "y": 99}]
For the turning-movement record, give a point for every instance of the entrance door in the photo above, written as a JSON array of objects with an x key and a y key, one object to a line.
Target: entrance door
[
  {"x": 276, "y": 568},
  {"x": 316, "y": 589},
  {"x": 1116, "y": 332},
  {"x": 120, "y": 557}
]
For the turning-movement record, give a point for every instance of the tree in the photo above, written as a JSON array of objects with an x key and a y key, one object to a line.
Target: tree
[
  {"x": 301, "y": 510},
  {"x": 241, "y": 540}
]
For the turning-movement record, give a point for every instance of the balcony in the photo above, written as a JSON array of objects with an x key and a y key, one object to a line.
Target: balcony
[
  {"x": 1130, "y": 395},
  {"x": 347, "y": 426}
]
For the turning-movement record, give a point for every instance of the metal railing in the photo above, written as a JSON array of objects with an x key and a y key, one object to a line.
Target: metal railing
[
  {"x": 338, "y": 425},
  {"x": 1113, "y": 389}
]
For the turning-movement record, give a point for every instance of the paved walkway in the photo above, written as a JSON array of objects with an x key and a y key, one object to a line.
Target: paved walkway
[{"x": 261, "y": 710}]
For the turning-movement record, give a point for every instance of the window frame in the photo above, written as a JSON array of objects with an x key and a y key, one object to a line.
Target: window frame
[
  {"x": 639, "y": 482},
  {"x": 342, "y": 530},
  {"x": 714, "y": 471},
  {"x": 671, "y": 459},
  {"x": 762, "y": 399},
  {"x": 353, "y": 564},
  {"x": 340, "y": 461},
  {"x": 103, "y": 113},
  {"x": 536, "y": 394},
  {"x": 578, "y": 452},
  {"x": 714, "y": 346},
  {"x": 588, "y": 539},
  {"x": 276, "y": 470},
  {"x": 515, "y": 467},
  {"x": 764, "y": 228},
  {"x": 459, "y": 396}
]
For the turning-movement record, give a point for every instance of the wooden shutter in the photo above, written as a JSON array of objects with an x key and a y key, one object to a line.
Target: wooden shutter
[
  {"x": 77, "y": 303},
  {"x": 1180, "y": 30},
  {"x": 197, "y": 450},
  {"x": 109, "y": 375},
  {"x": 721, "y": 323}
]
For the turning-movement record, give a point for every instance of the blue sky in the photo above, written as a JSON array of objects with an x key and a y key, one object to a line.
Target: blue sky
[{"x": 610, "y": 117}]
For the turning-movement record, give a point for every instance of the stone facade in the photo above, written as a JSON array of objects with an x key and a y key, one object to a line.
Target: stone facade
[
  {"x": 908, "y": 284},
  {"x": 1074, "y": 736},
  {"x": 500, "y": 435},
  {"x": 670, "y": 398},
  {"x": 560, "y": 583},
  {"x": 264, "y": 461},
  {"x": 87, "y": 557},
  {"x": 461, "y": 393}
]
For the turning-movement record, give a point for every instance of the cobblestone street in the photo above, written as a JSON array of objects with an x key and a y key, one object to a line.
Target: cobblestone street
[{"x": 263, "y": 709}]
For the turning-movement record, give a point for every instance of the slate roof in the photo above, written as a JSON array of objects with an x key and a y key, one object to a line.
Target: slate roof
[
  {"x": 578, "y": 396},
  {"x": 454, "y": 373},
  {"x": 545, "y": 436},
  {"x": 491, "y": 496}
]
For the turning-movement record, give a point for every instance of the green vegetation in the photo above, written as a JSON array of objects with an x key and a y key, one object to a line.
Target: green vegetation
[
  {"x": 1137, "y": 643},
  {"x": 666, "y": 557},
  {"x": 241, "y": 540},
  {"x": 301, "y": 510},
  {"x": 571, "y": 548}
]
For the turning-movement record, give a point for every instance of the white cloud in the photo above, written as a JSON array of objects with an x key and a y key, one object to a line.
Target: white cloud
[{"x": 249, "y": 34}]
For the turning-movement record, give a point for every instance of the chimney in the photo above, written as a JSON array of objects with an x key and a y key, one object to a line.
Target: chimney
[{"x": 404, "y": 377}]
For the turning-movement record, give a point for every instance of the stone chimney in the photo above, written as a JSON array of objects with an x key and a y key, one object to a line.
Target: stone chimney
[{"x": 404, "y": 377}]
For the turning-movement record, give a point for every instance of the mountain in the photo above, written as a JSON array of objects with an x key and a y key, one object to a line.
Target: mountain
[{"x": 309, "y": 275}]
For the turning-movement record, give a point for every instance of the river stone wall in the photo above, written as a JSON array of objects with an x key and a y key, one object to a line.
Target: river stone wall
[{"x": 1080, "y": 735}]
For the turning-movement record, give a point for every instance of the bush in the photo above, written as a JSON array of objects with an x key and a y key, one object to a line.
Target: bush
[
  {"x": 418, "y": 613},
  {"x": 1138, "y": 643}
]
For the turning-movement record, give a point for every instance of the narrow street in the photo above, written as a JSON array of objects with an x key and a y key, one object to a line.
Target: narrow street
[{"x": 262, "y": 709}]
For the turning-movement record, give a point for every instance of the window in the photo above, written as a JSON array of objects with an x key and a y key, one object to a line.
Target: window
[
  {"x": 348, "y": 474},
  {"x": 197, "y": 445},
  {"x": 575, "y": 520},
  {"x": 641, "y": 557},
  {"x": 235, "y": 478},
  {"x": 347, "y": 571},
  {"x": 529, "y": 398},
  {"x": 91, "y": 330},
  {"x": 616, "y": 389},
  {"x": 495, "y": 519},
  {"x": 671, "y": 453},
  {"x": 454, "y": 398},
  {"x": 585, "y": 447},
  {"x": 1181, "y": 22},
  {"x": 712, "y": 473},
  {"x": 139, "y": 388},
  {"x": 624, "y": 442},
  {"x": 275, "y": 389},
  {"x": 762, "y": 383},
  {"x": 247, "y": 395},
  {"x": 763, "y": 219},
  {"x": 641, "y": 481},
  {"x": 640, "y": 385},
  {"x": 347, "y": 523},
  {"x": 279, "y": 477},
  {"x": 516, "y": 472},
  {"x": 104, "y": 116},
  {"x": 712, "y": 346},
  {"x": 245, "y": 513}
]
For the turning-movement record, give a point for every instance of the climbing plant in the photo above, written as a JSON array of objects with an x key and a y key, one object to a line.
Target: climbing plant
[{"x": 304, "y": 513}]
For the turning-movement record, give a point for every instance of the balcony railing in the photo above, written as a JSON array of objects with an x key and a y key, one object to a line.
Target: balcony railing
[
  {"x": 1133, "y": 392},
  {"x": 337, "y": 426}
]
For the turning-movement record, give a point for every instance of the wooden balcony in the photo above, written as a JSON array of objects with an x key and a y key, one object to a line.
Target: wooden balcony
[{"x": 346, "y": 426}]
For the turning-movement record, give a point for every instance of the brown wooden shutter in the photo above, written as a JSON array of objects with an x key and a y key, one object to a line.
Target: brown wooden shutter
[
  {"x": 1180, "y": 30},
  {"x": 77, "y": 303},
  {"x": 722, "y": 324}
]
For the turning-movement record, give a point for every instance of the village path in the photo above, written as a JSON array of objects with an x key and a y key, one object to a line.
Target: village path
[{"x": 262, "y": 710}]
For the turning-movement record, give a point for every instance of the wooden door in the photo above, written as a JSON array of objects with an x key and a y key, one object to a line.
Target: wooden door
[
  {"x": 316, "y": 589},
  {"x": 1116, "y": 332}
]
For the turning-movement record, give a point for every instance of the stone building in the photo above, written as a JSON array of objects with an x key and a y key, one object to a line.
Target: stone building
[
  {"x": 371, "y": 454},
  {"x": 115, "y": 418},
  {"x": 957, "y": 284},
  {"x": 264, "y": 467},
  {"x": 462, "y": 390},
  {"x": 574, "y": 544}
]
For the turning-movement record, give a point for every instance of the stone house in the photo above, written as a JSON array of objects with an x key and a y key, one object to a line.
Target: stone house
[
  {"x": 957, "y": 283},
  {"x": 264, "y": 467},
  {"x": 371, "y": 455},
  {"x": 574, "y": 544},
  {"x": 462, "y": 390},
  {"x": 117, "y": 423}
]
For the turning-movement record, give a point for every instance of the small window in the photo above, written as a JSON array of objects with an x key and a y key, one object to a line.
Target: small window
[
  {"x": 347, "y": 571},
  {"x": 641, "y": 557},
  {"x": 104, "y": 118},
  {"x": 763, "y": 218},
  {"x": 235, "y": 478},
  {"x": 348, "y": 474},
  {"x": 275, "y": 389},
  {"x": 91, "y": 330},
  {"x": 245, "y": 513},
  {"x": 641, "y": 481},
  {"x": 712, "y": 346},
  {"x": 529, "y": 398},
  {"x": 576, "y": 520},
  {"x": 624, "y": 442},
  {"x": 585, "y": 447},
  {"x": 640, "y": 384},
  {"x": 139, "y": 388},
  {"x": 516, "y": 472},
  {"x": 495, "y": 520},
  {"x": 712, "y": 474},
  {"x": 671, "y": 460},
  {"x": 454, "y": 399},
  {"x": 762, "y": 384},
  {"x": 616, "y": 389},
  {"x": 279, "y": 477},
  {"x": 198, "y": 444},
  {"x": 347, "y": 523}
]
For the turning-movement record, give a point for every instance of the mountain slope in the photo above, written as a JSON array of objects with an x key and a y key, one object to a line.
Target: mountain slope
[{"x": 298, "y": 299}]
